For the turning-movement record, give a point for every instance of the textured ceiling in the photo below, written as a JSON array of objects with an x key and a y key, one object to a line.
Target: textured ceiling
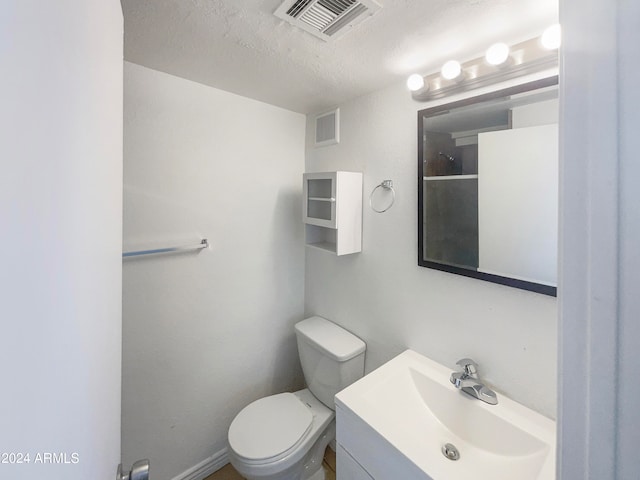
[{"x": 241, "y": 47}]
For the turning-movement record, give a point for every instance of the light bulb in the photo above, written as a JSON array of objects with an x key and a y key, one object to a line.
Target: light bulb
[
  {"x": 451, "y": 70},
  {"x": 497, "y": 54},
  {"x": 552, "y": 37},
  {"x": 415, "y": 82}
]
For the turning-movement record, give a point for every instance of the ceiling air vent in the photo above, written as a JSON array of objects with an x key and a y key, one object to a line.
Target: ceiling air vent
[{"x": 326, "y": 19}]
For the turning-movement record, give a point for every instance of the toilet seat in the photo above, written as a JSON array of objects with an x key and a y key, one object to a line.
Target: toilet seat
[{"x": 270, "y": 428}]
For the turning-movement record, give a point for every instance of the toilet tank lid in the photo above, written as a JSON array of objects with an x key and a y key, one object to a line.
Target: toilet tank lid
[{"x": 328, "y": 337}]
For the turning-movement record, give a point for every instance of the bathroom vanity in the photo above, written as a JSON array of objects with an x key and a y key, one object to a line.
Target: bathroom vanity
[{"x": 406, "y": 420}]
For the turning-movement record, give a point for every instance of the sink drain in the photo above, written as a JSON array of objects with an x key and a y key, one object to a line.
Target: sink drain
[{"x": 450, "y": 451}]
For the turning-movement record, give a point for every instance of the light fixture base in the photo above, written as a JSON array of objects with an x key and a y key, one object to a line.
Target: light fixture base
[{"x": 526, "y": 58}]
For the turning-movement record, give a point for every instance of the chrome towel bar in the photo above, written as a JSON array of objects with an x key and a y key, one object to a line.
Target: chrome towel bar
[{"x": 203, "y": 244}]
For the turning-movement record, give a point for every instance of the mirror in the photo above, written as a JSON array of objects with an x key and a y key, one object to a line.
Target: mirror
[{"x": 488, "y": 186}]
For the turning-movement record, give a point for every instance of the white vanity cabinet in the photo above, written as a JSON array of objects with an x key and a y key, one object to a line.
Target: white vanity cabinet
[
  {"x": 332, "y": 211},
  {"x": 405, "y": 419},
  {"x": 347, "y": 468},
  {"x": 363, "y": 454}
]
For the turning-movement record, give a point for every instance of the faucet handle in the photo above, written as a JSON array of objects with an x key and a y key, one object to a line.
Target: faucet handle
[{"x": 469, "y": 366}]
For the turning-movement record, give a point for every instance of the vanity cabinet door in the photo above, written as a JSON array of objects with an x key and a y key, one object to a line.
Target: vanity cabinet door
[{"x": 347, "y": 468}]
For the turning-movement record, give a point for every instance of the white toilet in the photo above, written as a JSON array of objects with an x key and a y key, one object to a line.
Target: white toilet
[{"x": 284, "y": 436}]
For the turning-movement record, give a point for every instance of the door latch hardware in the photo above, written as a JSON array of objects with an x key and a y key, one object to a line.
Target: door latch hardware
[{"x": 139, "y": 471}]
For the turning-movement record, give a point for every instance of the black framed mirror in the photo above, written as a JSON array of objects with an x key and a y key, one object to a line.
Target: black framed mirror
[{"x": 488, "y": 186}]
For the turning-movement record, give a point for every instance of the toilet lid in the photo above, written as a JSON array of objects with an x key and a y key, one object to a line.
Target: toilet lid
[{"x": 270, "y": 427}]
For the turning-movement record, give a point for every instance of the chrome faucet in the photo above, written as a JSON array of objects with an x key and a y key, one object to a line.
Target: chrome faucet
[{"x": 467, "y": 380}]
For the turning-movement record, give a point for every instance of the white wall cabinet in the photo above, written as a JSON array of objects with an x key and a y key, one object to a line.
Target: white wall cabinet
[{"x": 332, "y": 211}]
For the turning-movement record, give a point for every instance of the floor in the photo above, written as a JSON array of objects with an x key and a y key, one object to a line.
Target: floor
[{"x": 229, "y": 473}]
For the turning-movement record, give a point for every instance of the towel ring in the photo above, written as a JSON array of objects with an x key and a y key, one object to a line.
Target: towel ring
[{"x": 387, "y": 185}]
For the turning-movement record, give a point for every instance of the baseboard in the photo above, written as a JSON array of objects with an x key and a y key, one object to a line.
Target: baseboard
[{"x": 205, "y": 468}]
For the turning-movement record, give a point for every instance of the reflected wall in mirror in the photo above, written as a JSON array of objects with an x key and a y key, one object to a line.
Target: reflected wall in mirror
[{"x": 488, "y": 186}]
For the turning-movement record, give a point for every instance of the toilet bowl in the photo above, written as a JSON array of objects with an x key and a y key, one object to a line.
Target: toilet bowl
[
  {"x": 284, "y": 436},
  {"x": 289, "y": 434}
]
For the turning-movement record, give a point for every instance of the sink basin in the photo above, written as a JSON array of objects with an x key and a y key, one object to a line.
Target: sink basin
[{"x": 411, "y": 405}]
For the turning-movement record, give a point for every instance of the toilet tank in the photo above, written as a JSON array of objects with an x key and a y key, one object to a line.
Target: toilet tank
[{"x": 331, "y": 358}]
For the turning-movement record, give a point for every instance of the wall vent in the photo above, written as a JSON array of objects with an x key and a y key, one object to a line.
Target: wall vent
[
  {"x": 328, "y": 128},
  {"x": 326, "y": 19}
]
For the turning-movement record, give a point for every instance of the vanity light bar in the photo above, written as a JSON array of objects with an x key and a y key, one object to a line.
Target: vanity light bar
[{"x": 499, "y": 64}]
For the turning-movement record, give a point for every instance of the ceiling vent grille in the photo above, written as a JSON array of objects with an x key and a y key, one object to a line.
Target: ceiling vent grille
[{"x": 326, "y": 19}]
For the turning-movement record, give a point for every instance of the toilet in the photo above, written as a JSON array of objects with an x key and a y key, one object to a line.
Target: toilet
[{"x": 284, "y": 436}]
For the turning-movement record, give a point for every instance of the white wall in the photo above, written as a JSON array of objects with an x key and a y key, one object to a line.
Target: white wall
[
  {"x": 61, "y": 217},
  {"x": 384, "y": 297},
  {"x": 205, "y": 334}
]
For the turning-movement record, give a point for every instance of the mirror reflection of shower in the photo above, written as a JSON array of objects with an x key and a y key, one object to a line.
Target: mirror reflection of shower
[
  {"x": 487, "y": 196},
  {"x": 448, "y": 157}
]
